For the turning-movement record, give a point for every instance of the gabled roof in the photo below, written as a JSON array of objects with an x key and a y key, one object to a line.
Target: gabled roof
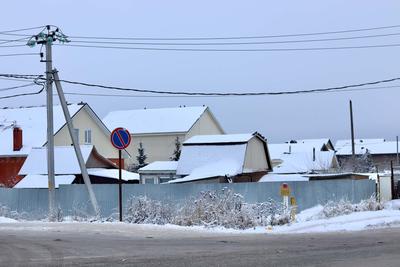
[
  {"x": 160, "y": 166},
  {"x": 210, "y": 156},
  {"x": 65, "y": 161},
  {"x": 364, "y": 141},
  {"x": 374, "y": 147},
  {"x": 33, "y": 122},
  {"x": 303, "y": 162},
  {"x": 152, "y": 121},
  {"x": 219, "y": 139},
  {"x": 295, "y": 146}
]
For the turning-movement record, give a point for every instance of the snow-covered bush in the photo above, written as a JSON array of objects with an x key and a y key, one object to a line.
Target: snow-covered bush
[
  {"x": 344, "y": 207},
  {"x": 215, "y": 208},
  {"x": 145, "y": 210},
  {"x": 210, "y": 208}
]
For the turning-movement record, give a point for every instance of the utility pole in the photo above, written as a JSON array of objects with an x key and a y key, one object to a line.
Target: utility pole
[
  {"x": 75, "y": 143},
  {"x": 353, "y": 149},
  {"x": 46, "y": 38}
]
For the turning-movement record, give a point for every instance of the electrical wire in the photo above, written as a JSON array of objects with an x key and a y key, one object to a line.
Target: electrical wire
[
  {"x": 231, "y": 93},
  {"x": 21, "y": 45},
  {"x": 16, "y": 87},
  {"x": 188, "y": 96},
  {"x": 242, "y": 43},
  {"x": 358, "y": 86},
  {"x": 239, "y": 37},
  {"x": 23, "y": 29},
  {"x": 10, "y": 41},
  {"x": 233, "y": 50},
  {"x": 20, "y": 54}
]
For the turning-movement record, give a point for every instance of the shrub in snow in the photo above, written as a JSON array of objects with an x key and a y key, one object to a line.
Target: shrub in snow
[
  {"x": 144, "y": 210},
  {"x": 216, "y": 208},
  {"x": 344, "y": 207},
  {"x": 210, "y": 208}
]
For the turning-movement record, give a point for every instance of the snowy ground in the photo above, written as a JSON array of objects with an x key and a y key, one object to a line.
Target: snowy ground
[{"x": 308, "y": 221}]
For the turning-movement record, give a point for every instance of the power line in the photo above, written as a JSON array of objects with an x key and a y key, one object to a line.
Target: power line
[
  {"x": 230, "y": 93},
  {"x": 183, "y": 93},
  {"x": 11, "y": 41},
  {"x": 20, "y": 54},
  {"x": 242, "y": 43},
  {"x": 189, "y": 96},
  {"x": 238, "y": 37},
  {"x": 13, "y": 45},
  {"x": 16, "y": 87},
  {"x": 234, "y": 50},
  {"x": 23, "y": 29}
]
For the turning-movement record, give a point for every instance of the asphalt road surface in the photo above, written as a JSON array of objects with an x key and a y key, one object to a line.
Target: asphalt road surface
[{"x": 76, "y": 244}]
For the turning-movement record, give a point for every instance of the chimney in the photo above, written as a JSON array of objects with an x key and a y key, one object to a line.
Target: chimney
[{"x": 17, "y": 139}]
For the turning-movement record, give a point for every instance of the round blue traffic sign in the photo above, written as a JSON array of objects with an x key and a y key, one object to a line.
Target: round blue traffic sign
[{"x": 120, "y": 138}]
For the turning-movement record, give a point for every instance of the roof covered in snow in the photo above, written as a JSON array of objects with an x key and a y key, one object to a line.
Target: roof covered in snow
[
  {"x": 33, "y": 122},
  {"x": 303, "y": 162},
  {"x": 113, "y": 174},
  {"x": 220, "y": 138},
  {"x": 347, "y": 142},
  {"x": 211, "y": 160},
  {"x": 65, "y": 161},
  {"x": 374, "y": 146},
  {"x": 161, "y": 120},
  {"x": 273, "y": 177},
  {"x": 160, "y": 166},
  {"x": 41, "y": 181}
]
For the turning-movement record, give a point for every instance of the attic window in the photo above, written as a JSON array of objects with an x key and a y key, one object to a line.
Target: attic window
[{"x": 88, "y": 136}]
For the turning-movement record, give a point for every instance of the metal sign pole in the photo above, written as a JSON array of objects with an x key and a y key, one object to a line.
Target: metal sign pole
[{"x": 120, "y": 184}]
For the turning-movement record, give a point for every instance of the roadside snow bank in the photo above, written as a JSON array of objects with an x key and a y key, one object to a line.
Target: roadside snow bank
[{"x": 7, "y": 220}]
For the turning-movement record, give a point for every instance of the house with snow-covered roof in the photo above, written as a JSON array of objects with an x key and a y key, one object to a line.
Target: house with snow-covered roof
[
  {"x": 380, "y": 151},
  {"x": 303, "y": 156},
  {"x": 223, "y": 159},
  {"x": 158, "y": 129},
  {"x": 26, "y": 127},
  {"x": 158, "y": 172},
  {"x": 67, "y": 170}
]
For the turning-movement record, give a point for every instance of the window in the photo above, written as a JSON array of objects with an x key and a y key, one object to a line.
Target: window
[
  {"x": 88, "y": 136},
  {"x": 165, "y": 179},
  {"x": 76, "y": 135},
  {"x": 149, "y": 181}
]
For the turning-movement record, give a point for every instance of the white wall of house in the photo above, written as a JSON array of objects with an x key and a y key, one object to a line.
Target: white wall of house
[
  {"x": 160, "y": 147},
  {"x": 255, "y": 158},
  {"x": 83, "y": 121}
]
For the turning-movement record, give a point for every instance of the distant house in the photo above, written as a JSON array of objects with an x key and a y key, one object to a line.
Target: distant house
[
  {"x": 381, "y": 152},
  {"x": 230, "y": 158},
  {"x": 158, "y": 129},
  {"x": 67, "y": 171},
  {"x": 158, "y": 172},
  {"x": 303, "y": 156},
  {"x": 26, "y": 127},
  {"x": 273, "y": 177}
]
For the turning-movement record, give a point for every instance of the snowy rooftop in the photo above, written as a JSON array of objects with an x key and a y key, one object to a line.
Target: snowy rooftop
[
  {"x": 347, "y": 142},
  {"x": 33, "y": 122},
  {"x": 272, "y": 177},
  {"x": 41, "y": 181},
  {"x": 374, "y": 146},
  {"x": 162, "y": 120},
  {"x": 160, "y": 166},
  {"x": 113, "y": 174},
  {"x": 64, "y": 159},
  {"x": 303, "y": 162},
  {"x": 220, "y": 138}
]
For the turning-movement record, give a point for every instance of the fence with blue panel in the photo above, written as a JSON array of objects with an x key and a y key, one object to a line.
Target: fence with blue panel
[{"x": 73, "y": 199}]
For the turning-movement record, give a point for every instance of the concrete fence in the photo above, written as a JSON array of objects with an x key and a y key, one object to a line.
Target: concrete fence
[{"x": 74, "y": 198}]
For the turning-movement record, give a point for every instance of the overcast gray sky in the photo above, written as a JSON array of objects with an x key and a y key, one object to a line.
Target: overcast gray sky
[{"x": 279, "y": 118}]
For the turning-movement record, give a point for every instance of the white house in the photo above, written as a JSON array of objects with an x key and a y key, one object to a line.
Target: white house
[
  {"x": 158, "y": 172},
  {"x": 223, "y": 158},
  {"x": 158, "y": 129}
]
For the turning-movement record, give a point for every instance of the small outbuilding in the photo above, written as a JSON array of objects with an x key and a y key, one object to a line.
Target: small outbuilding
[{"x": 229, "y": 158}]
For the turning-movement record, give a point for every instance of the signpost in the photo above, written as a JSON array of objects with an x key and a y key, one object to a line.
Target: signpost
[
  {"x": 120, "y": 139},
  {"x": 285, "y": 193}
]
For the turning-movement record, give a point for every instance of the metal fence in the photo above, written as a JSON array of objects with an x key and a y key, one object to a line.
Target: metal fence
[{"x": 73, "y": 199}]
